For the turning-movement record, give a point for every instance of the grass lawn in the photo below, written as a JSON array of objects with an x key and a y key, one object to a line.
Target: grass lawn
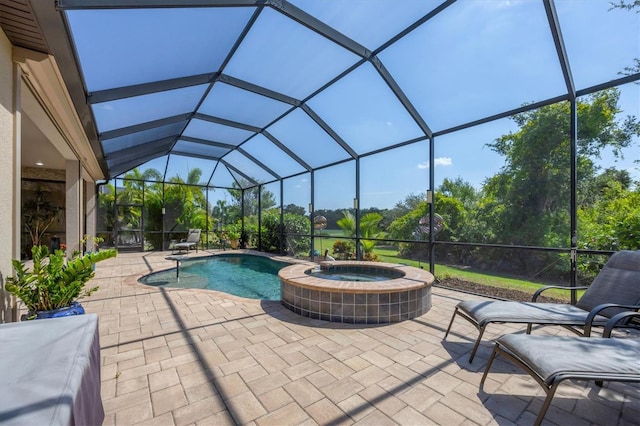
[
  {"x": 329, "y": 237},
  {"x": 390, "y": 254}
]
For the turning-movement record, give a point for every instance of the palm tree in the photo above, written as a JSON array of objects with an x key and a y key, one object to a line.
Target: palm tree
[
  {"x": 347, "y": 224},
  {"x": 220, "y": 211},
  {"x": 368, "y": 228}
]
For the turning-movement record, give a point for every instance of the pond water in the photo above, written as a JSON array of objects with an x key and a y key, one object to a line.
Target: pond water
[{"x": 243, "y": 275}]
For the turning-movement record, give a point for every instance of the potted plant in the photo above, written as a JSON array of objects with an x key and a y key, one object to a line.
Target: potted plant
[
  {"x": 233, "y": 235},
  {"x": 54, "y": 285}
]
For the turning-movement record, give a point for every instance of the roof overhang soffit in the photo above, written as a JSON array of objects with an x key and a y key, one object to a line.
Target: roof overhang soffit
[{"x": 42, "y": 74}]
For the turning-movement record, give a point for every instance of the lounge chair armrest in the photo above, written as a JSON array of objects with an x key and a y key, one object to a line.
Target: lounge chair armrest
[
  {"x": 622, "y": 316},
  {"x": 596, "y": 311},
  {"x": 559, "y": 287}
]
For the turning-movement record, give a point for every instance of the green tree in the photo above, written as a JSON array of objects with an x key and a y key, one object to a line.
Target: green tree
[
  {"x": 529, "y": 197},
  {"x": 292, "y": 208},
  {"x": 142, "y": 188},
  {"x": 219, "y": 211},
  {"x": 270, "y": 232},
  {"x": 298, "y": 243},
  {"x": 612, "y": 221},
  {"x": 411, "y": 202},
  {"x": 592, "y": 188},
  {"x": 130, "y": 194},
  {"x": 186, "y": 203},
  {"x": 628, "y": 5},
  {"x": 411, "y": 226},
  {"x": 450, "y": 209},
  {"x": 105, "y": 220},
  {"x": 267, "y": 199},
  {"x": 461, "y": 190}
]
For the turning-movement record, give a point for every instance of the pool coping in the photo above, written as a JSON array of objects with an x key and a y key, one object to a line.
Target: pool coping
[{"x": 414, "y": 278}]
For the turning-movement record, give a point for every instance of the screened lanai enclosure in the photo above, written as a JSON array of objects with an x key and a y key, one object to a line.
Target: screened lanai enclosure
[{"x": 477, "y": 135}]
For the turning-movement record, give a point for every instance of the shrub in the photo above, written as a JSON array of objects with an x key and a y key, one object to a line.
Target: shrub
[
  {"x": 270, "y": 232},
  {"x": 344, "y": 250}
]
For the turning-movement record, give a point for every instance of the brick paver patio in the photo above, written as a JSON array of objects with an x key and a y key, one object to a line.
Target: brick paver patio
[{"x": 181, "y": 357}]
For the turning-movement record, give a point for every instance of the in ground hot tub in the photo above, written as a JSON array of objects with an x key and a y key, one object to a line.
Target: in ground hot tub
[{"x": 356, "y": 292}]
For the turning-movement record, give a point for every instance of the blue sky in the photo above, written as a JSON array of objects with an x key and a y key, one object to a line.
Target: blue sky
[{"x": 475, "y": 59}]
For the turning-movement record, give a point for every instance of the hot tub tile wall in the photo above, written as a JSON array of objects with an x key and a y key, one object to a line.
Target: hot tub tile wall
[
  {"x": 406, "y": 294},
  {"x": 357, "y": 308}
]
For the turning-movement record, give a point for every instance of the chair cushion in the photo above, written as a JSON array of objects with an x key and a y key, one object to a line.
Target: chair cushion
[
  {"x": 617, "y": 282},
  {"x": 526, "y": 312},
  {"x": 193, "y": 236},
  {"x": 184, "y": 245},
  {"x": 579, "y": 357}
]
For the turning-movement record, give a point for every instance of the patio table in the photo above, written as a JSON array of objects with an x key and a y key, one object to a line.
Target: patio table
[{"x": 50, "y": 372}]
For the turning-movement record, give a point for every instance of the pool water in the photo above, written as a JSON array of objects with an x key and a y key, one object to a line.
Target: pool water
[{"x": 243, "y": 275}]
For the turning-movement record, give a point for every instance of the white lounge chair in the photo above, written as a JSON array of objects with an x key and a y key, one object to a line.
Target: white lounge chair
[{"x": 192, "y": 240}]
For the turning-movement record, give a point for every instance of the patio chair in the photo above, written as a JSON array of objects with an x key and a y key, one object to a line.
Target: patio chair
[
  {"x": 550, "y": 360},
  {"x": 193, "y": 237},
  {"x": 615, "y": 289}
]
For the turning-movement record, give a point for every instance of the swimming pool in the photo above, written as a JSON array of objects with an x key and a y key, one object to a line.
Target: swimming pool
[{"x": 244, "y": 275}]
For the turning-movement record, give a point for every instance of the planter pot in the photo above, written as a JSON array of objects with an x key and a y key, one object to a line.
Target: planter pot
[
  {"x": 233, "y": 244},
  {"x": 74, "y": 309}
]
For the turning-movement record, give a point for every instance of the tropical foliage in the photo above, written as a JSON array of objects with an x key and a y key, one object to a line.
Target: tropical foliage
[
  {"x": 297, "y": 226},
  {"x": 369, "y": 228},
  {"x": 54, "y": 282},
  {"x": 344, "y": 250},
  {"x": 232, "y": 231}
]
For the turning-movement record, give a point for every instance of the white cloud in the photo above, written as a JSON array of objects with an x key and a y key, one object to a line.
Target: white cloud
[{"x": 442, "y": 161}]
